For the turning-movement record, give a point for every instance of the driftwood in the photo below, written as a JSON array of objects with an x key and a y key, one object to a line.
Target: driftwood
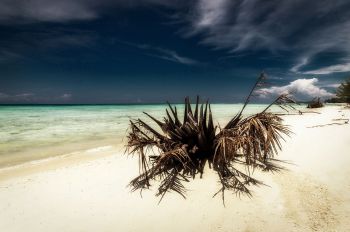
[
  {"x": 180, "y": 149},
  {"x": 315, "y": 103}
]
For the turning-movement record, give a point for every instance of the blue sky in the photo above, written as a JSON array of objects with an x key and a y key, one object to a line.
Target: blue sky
[{"x": 104, "y": 51}]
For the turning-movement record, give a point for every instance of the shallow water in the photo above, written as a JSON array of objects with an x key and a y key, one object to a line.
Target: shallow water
[{"x": 32, "y": 132}]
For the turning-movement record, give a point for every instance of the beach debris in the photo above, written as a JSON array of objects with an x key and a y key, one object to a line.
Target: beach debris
[
  {"x": 343, "y": 121},
  {"x": 180, "y": 149},
  {"x": 315, "y": 103}
]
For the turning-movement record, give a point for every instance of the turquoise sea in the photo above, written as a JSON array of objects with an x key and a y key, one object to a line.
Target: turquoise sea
[{"x": 35, "y": 132}]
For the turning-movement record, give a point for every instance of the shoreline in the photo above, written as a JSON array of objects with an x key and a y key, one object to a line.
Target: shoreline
[
  {"x": 57, "y": 161},
  {"x": 82, "y": 151},
  {"x": 52, "y": 151},
  {"x": 33, "y": 151}
]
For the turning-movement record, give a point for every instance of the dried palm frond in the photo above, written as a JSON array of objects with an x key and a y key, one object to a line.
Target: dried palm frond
[{"x": 182, "y": 148}]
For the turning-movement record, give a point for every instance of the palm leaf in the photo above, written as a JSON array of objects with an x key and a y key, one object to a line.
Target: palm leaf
[{"x": 182, "y": 149}]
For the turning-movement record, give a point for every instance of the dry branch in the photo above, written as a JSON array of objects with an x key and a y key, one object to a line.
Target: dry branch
[{"x": 181, "y": 149}]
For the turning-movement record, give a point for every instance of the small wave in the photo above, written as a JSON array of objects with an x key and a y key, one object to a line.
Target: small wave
[
  {"x": 98, "y": 149},
  {"x": 57, "y": 157}
]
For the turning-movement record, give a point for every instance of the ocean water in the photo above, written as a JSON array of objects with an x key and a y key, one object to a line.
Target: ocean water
[{"x": 35, "y": 132}]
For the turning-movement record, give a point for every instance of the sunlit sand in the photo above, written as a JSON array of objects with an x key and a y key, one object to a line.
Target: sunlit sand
[{"x": 87, "y": 190}]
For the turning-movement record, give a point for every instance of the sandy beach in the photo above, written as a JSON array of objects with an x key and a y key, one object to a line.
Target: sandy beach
[
  {"x": 203, "y": 94},
  {"x": 87, "y": 190}
]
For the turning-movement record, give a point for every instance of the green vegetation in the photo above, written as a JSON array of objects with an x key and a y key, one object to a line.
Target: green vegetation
[
  {"x": 342, "y": 94},
  {"x": 343, "y": 91}
]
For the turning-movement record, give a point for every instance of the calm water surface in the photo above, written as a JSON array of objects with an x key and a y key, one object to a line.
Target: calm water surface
[{"x": 31, "y": 132}]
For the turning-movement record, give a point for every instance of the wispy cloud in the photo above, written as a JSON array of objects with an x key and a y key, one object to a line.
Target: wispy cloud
[
  {"x": 163, "y": 53},
  {"x": 21, "y": 97},
  {"x": 6, "y": 55},
  {"x": 303, "y": 89},
  {"x": 34, "y": 98},
  {"x": 173, "y": 56},
  {"x": 75, "y": 39},
  {"x": 306, "y": 28},
  {"x": 210, "y": 13},
  {"x": 19, "y": 11},
  {"x": 43, "y": 40},
  {"x": 302, "y": 62},
  {"x": 45, "y": 11},
  {"x": 3, "y": 96},
  {"x": 66, "y": 96},
  {"x": 234, "y": 25},
  {"x": 330, "y": 69},
  {"x": 334, "y": 85},
  {"x": 334, "y": 38}
]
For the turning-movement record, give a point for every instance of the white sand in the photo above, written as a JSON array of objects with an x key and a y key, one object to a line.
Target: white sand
[{"x": 87, "y": 191}]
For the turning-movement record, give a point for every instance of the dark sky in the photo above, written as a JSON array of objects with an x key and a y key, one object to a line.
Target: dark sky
[{"x": 104, "y": 51}]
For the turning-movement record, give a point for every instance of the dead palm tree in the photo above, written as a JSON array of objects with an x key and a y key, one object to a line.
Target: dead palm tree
[{"x": 182, "y": 148}]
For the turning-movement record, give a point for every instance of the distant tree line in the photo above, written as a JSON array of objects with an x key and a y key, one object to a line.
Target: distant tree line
[{"x": 342, "y": 94}]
